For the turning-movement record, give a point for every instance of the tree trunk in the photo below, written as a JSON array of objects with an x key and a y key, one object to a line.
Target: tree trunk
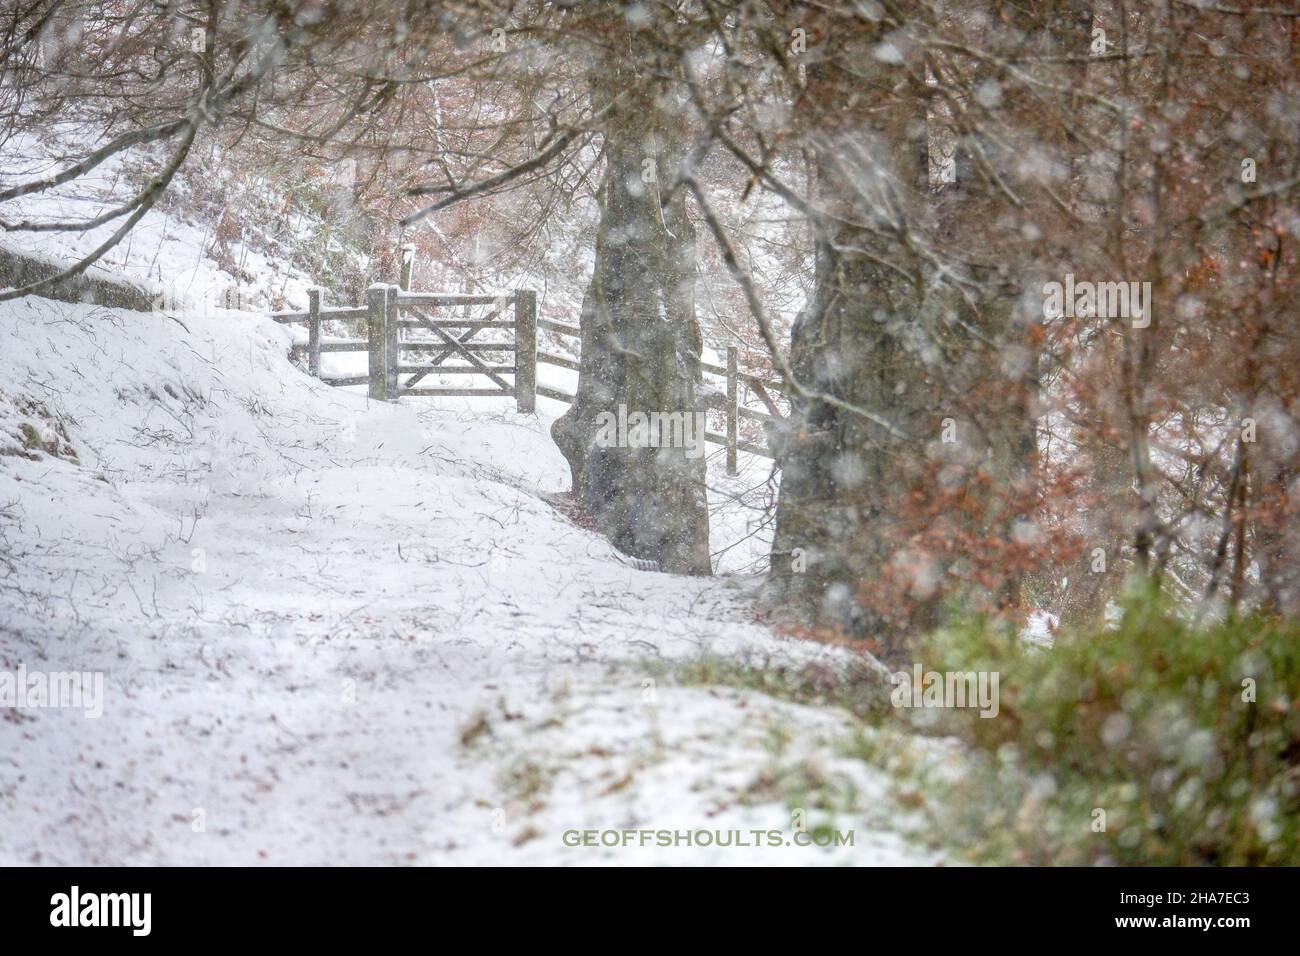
[
  {"x": 861, "y": 341},
  {"x": 913, "y": 321},
  {"x": 641, "y": 351}
]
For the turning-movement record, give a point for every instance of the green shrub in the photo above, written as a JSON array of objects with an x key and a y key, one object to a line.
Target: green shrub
[{"x": 1152, "y": 723}]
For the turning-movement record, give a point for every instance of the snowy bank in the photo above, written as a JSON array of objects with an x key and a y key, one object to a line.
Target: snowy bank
[{"x": 337, "y": 631}]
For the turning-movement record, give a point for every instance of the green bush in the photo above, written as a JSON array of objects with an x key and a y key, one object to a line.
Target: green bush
[{"x": 1150, "y": 722}]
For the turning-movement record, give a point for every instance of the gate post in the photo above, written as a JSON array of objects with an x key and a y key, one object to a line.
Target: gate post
[
  {"x": 408, "y": 266},
  {"x": 313, "y": 331},
  {"x": 392, "y": 347},
  {"x": 376, "y": 321},
  {"x": 733, "y": 415},
  {"x": 526, "y": 350}
]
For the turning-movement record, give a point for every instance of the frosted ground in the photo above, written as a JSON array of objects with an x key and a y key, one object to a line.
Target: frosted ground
[{"x": 340, "y": 631}]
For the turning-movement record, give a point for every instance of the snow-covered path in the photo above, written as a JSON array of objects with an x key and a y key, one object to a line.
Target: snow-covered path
[{"x": 335, "y": 631}]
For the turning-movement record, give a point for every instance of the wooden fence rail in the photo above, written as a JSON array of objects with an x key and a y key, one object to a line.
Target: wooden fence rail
[
  {"x": 730, "y": 405},
  {"x": 391, "y": 310}
]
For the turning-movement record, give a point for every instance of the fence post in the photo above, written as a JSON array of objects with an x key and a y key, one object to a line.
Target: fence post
[
  {"x": 313, "y": 331},
  {"x": 392, "y": 347},
  {"x": 732, "y": 414},
  {"x": 526, "y": 350},
  {"x": 408, "y": 267},
  {"x": 376, "y": 321}
]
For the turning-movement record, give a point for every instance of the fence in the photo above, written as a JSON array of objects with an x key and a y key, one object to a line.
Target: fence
[
  {"x": 391, "y": 310},
  {"x": 735, "y": 412}
]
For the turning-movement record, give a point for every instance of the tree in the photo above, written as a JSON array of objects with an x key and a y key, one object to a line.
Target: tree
[{"x": 640, "y": 339}]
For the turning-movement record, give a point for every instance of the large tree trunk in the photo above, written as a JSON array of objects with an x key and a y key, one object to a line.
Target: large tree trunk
[
  {"x": 861, "y": 341},
  {"x": 879, "y": 528},
  {"x": 893, "y": 525},
  {"x": 641, "y": 350}
]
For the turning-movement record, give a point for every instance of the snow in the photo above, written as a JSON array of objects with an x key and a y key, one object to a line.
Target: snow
[
  {"x": 165, "y": 253},
  {"x": 335, "y": 631}
]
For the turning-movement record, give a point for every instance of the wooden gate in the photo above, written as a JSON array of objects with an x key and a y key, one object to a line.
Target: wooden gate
[{"x": 408, "y": 337}]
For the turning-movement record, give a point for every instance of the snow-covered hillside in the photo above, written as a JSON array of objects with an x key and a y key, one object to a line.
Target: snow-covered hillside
[
  {"x": 220, "y": 238},
  {"x": 340, "y": 631}
]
